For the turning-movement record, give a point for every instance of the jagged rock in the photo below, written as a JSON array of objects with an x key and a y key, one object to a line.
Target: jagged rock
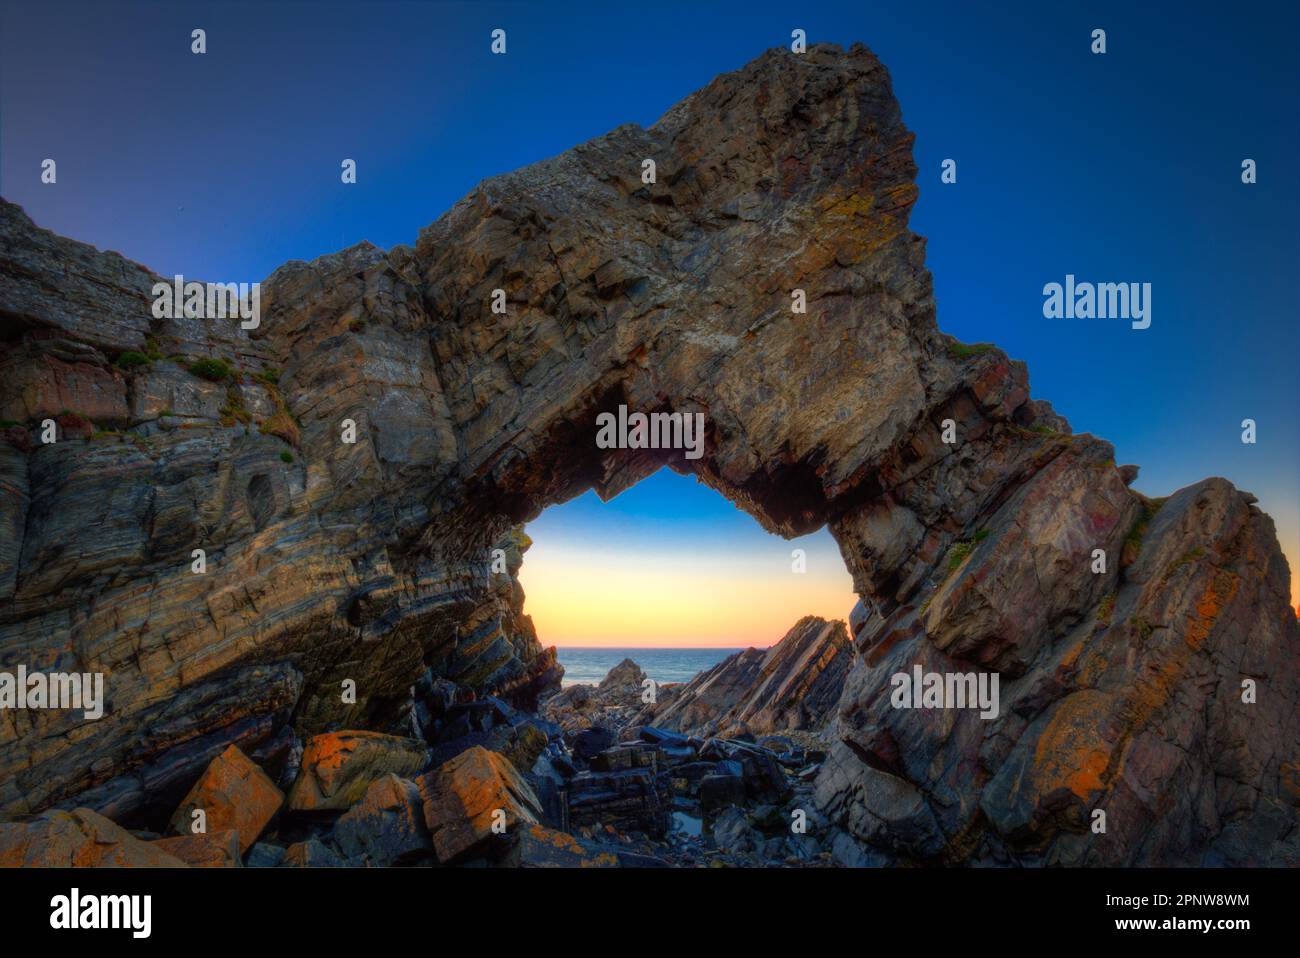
[
  {"x": 461, "y": 800},
  {"x": 211, "y": 850},
  {"x": 233, "y": 794},
  {"x": 1120, "y": 692},
  {"x": 373, "y": 562},
  {"x": 338, "y": 767},
  {"x": 77, "y": 839},
  {"x": 623, "y": 681},
  {"x": 386, "y": 827},
  {"x": 607, "y": 707},
  {"x": 794, "y": 685}
]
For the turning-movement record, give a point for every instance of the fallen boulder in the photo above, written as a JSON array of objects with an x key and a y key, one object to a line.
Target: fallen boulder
[
  {"x": 233, "y": 793},
  {"x": 338, "y": 767},
  {"x": 465, "y": 797},
  {"x": 386, "y": 827}
]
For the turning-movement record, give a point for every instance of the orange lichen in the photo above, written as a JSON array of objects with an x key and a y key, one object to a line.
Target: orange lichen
[{"x": 1072, "y": 752}]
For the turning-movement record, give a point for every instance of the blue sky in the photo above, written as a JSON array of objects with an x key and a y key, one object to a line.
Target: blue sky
[{"x": 1122, "y": 167}]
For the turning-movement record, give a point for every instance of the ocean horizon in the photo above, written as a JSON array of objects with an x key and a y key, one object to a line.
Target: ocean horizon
[{"x": 587, "y": 665}]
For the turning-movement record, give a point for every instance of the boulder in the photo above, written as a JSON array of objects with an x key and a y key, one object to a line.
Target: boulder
[
  {"x": 338, "y": 767},
  {"x": 78, "y": 839},
  {"x": 723, "y": 787},
  {"x": 234, "y": 794},
  {"x": 386, "y": 827},
  {"x": 465, "y": 797}
]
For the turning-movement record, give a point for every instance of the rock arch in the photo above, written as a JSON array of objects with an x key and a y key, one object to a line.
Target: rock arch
[{"x": 794, "y": 172}]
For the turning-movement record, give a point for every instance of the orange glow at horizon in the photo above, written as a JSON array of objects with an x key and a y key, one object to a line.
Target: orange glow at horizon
[{"x": 694, "y": 599}]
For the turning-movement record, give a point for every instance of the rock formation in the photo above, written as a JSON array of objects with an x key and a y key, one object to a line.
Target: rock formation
[
  {"x": 371, "y": 565},
  {"x": 612, "y": 704},
  {"x": 791, "y": 687}
]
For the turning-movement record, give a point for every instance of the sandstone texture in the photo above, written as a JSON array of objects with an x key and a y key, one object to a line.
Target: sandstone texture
[{"x": 378, "y": 564}]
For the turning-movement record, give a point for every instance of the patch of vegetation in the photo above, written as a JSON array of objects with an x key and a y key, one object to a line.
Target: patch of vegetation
[
  {"x": 6, "y": 423},
  {"x": 132, "y": 360},
  {"x": 152, "y": 349},
  {"x": 213, "y": 370},
  {"x": 270, "y": 375},
  {"x": 282, "y": 425},
  {"x": 1133, "y": 541},
  {"x": 233, "y": 411},
  {"x": 980, "y": 535},
  {"x": 960, "y": 350},
  {"x": 957, "y": 555},
  {"x": 286, "y": 456},
  {"x": 105, "y": 433}
]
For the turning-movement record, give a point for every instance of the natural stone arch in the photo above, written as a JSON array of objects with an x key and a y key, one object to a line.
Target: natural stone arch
[{"x": 794, "y": 172}]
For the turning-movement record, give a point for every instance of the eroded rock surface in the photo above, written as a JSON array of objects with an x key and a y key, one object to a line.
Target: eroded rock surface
[{"x": 374, "y": 563}]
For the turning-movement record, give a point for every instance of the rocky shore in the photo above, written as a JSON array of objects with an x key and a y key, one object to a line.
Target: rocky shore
[{"x": 483, "y": 783}]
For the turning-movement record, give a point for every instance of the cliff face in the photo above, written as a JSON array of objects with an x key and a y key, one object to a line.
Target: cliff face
[{"x": 1120, "y": 690}]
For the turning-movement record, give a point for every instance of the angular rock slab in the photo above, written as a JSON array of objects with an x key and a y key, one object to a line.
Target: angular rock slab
[
  {"x": 233, "y": 794},
  {"x": 386, "y": 827},
  {"x": 461, "y": 799}
]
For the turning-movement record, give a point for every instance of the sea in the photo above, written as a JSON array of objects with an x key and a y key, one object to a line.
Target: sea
[{"x": 587, "y": 666}]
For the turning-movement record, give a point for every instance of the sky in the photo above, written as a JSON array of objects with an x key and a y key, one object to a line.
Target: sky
[{"x": 1118, "y": 167}]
